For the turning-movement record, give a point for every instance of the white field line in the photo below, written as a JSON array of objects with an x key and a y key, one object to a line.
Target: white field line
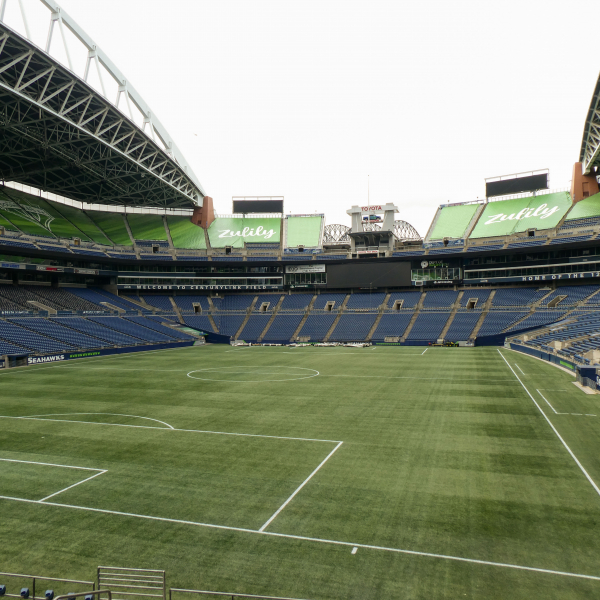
[
  {"x": 109, "y": 414},
  {"x": 553, "y": 428},
  {"x": 518, "y": 367},
  {"x": 470, "y": 379},
  {"x": 31, "y": 462},
  {"x": 298, "y": 489},
  {"x": 71, "y": 486},
  {"x": 548, "y": 403},
  {"x": 424, "y": 351},
  {"x": 315, "y": 540},
  {"x": 256, "y": 435}
]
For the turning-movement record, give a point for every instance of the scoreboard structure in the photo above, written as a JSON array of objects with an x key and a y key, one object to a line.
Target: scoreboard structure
[
  {"x": 517, "y": 183},
  {"x": 248, "y": 205}
]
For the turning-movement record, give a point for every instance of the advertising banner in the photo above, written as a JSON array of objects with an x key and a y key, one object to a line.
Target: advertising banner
[
  {"x": 234, "y": 231},
  {"x": 529, "y": 278},
  {"x": 520, "y": 214},
  {"x": 34, "y": 360},
  {"x": 199, "y": 287},
  {"x": 305, "y": 269}
]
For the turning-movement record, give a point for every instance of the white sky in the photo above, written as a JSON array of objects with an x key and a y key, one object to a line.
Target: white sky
[{"x": 305, "y": 99}]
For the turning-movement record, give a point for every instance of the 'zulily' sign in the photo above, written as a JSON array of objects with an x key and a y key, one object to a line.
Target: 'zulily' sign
[
  {"x": 519, "y": 214},
  {"x": 235, "y": 231},
  {"x": 260, "y": 232}
]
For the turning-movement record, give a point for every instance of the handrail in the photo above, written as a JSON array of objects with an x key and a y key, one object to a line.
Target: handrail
[
  {"x": 35, "y": 578},
  {"x": 231, "y": 594}
]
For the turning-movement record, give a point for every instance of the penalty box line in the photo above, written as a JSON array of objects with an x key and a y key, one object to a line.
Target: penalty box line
[
  {"x": 170, "y": 428},
  {"x": 31, "y": 462},
  {"x": 316, "y": 540},
  {"x": 581, "y": 467}
]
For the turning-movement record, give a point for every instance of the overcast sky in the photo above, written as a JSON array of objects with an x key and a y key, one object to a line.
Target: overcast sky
[{"x": 306, "y": 99}]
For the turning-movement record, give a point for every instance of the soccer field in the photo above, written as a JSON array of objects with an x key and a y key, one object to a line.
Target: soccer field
[{"x": 321, "y": 473}]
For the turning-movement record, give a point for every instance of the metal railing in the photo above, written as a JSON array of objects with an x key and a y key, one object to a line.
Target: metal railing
[
  {"x": 36, "y": 578},
  {"x": 86, "y": 595},
  {"x": 231, "y": 595},
  {"x": 142, "y": 583}
]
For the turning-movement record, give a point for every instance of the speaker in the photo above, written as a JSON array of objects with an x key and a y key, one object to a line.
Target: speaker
[{"x": 76, "y": 242}]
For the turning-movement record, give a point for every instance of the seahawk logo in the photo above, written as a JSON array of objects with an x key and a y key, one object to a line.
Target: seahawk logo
[{"x": 29, "y": 212}]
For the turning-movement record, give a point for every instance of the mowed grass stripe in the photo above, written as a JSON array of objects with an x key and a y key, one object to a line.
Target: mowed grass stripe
[{"x": 458, "y": 465}]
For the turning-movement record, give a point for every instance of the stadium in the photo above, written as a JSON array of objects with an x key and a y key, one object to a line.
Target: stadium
[{"x": 254, "y": 403}]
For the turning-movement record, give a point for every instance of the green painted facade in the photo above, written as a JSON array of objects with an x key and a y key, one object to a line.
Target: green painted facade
[
  {"x": 588, "y": 207},
  {"x": 519, "y": 214},
  {"x": 147, "y": 227},
  {"x": 226, "y": 231},
  {"x": 185, "y": 234},
  {"x": 452, "y": 221},
  {"x": 303, "y": 231}
]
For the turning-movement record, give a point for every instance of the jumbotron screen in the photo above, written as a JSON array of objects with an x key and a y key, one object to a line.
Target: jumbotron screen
[
  {"x": 516, "y": 185},
  {"x": 258, "y": 205}
]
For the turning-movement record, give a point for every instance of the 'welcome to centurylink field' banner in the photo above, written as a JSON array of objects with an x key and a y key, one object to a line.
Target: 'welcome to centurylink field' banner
[
  {"x": 226, "y": 231},
  {"x": 520, "y": 214}
]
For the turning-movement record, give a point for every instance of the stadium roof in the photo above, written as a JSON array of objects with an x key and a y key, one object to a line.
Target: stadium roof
[
  {"x": 590, "y": 144},
  {"x": 61, "y": 135}
]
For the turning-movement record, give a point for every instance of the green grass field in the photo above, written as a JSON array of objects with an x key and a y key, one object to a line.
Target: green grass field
[{"x": 322, "y": 473}]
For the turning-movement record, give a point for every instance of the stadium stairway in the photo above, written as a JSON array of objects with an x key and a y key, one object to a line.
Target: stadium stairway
[
  {"x": 337, "y": 318},
  {"x": 380, "y": 313},
  {"x": 303, "y": 321},
  {"x": 249, "y": 311},
  {"x": 169, "y": 238},
  {"x": 268, "y": 325},
  {"x": 177, "y": 311},
  {"x": 484, "y": 313},
  {"x": 141, "y": 303},
  {"x": 411, "y": 323},
  {"x": 453, "y": 312}
]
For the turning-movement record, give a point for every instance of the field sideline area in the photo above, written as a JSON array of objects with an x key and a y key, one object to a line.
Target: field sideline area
[{"x": 321, "y": 473}]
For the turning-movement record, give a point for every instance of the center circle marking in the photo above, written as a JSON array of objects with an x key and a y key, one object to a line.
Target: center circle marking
[{"x": 261, "y": 374}]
